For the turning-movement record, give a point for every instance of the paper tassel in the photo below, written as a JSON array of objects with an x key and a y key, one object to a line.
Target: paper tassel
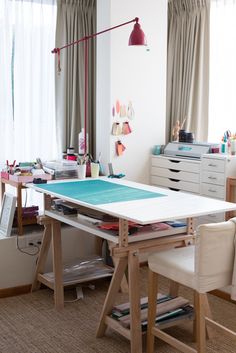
[
  {"x": 120, "y": 148},
  {"x": 116, "y": 129},
  {"x": 126, "y": 129},
  {"x": 130, "y": 111}
]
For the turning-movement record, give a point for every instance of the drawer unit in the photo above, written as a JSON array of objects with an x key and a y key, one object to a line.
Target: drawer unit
[
  {"x": 176, "y": 173},
  {"x": 211, "y": 218},
  {"x": 175, "y": 184},
  {"x": 212, "y": 190},
  {"x": 213, "y": 164},
  {"x": 206, "y": 177},
  {"x": 215, "y": 168},
  {"x": 176, "y": 164},
  {"x": 213, "y": 178}
]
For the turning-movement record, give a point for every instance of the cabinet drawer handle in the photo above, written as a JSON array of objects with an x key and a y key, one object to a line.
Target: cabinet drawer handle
[
  {"x": 174, "y": 170},
  {"x": 175, "y": 180},
  {"x": 174, "y": 161},
  {"x": 173, "y": 189},
  {"x": 212, "y": 178},
  {"x": 212, "y": 165},
  {"x": 211, "y": 190}
]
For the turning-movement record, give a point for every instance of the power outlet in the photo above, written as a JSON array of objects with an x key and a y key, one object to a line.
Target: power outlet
[{"x": 33, "y": 240}]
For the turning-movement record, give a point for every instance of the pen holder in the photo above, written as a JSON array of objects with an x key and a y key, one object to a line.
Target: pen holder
[
  {"x": 233, "y": 147},
  {"x": 81, "y": 169},
  {"x": 95, "y": 170}
]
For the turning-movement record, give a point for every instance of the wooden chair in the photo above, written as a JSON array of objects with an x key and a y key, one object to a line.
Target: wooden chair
[{"x": 205, "y": 266}]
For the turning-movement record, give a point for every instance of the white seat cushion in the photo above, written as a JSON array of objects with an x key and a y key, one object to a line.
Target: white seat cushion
[{"x": 176, "y": 264}]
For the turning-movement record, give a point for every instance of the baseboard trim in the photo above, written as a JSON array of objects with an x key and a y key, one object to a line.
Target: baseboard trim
[
  {"x": 11, "y": 292},
  {"x": 223, "y": 295}
]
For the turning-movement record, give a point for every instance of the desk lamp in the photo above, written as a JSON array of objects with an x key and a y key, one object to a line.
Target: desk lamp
[{"x": 137, "y": 37}]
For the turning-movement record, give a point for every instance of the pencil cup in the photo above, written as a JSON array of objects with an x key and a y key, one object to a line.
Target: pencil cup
[
  {"x": 94, "y": 170},
  {"x": 156, "y": 149},
  {"x": 81, "y": 171},
  {"x": 233, "y": 147}
]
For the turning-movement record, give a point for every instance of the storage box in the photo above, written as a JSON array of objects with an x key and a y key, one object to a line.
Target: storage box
[
  {"x": 5, "y": 175},
  {"x": 29, "y": 178}
]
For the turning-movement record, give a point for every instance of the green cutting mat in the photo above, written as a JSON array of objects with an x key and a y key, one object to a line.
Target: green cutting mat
[{"x": 97, "y": 192}]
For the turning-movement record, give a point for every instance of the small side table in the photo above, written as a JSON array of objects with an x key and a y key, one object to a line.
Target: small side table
[{"x": 20, "y": 220}]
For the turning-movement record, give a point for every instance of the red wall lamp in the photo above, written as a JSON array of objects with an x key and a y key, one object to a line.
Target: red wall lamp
[{"x": 137, "y": 37}]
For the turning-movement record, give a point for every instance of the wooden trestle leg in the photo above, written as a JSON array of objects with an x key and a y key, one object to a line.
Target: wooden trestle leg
[
  {"x": 46, "y": 241},
  {"x": 118, "y": 274}
]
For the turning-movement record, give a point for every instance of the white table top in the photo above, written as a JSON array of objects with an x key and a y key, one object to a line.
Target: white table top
[{"x": 176, "y": 205}]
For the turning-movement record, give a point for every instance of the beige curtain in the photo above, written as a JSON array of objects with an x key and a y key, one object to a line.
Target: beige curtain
[
  {"x": 188, "y": 66},
  {"x": 75, "y": 19}
]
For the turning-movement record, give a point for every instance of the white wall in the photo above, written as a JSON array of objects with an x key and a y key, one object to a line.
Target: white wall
[
  {"x": 17, "y": 269},
  {"x": 137, "y": 74},
  {"x": 124, "y": 73}
]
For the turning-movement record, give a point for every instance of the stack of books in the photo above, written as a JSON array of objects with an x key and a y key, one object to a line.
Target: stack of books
[
  {"x": 169, "y": 310},
  {"x": 28, "y": 212}
]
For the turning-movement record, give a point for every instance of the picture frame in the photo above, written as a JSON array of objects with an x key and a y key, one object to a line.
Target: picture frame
[{"x": 7, "y": 214}]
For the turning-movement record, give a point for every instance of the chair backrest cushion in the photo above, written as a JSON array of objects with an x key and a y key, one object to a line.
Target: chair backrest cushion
[{"x": 214, "y": 255}]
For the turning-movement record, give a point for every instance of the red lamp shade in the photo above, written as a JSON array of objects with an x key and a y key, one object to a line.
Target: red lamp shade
[{"x": 137, "y": 36}]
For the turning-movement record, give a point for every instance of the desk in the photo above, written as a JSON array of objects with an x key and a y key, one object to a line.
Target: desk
[
  {"x": 19, "y": 187},
  {"x": 151, "y": 206}
]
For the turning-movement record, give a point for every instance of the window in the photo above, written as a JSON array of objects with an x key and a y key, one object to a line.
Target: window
[
  {"x": 27, "y": 106},
  {"x": 222, "y": 101}
]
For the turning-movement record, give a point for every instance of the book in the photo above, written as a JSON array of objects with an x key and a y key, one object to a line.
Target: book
[
  {"x": 165, "y": 306},
  {"x": 186, "y": 312},
  {"x": 117, "y": 313}
]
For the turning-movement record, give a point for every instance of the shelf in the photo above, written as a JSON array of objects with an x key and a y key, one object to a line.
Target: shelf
[
  {"x": 90, "y": 227},
  {"x": 102, "y": 272}
]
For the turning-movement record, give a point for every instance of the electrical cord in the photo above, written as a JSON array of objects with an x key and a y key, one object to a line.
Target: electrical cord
[
  {"x": 26, "y": 252},
  {"x": 72, "y": 301}
]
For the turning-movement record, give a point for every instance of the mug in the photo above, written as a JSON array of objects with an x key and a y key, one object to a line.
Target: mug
[{"x": 156, "y": 150}]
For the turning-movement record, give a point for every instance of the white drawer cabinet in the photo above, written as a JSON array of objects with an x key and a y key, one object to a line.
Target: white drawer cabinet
[
  {"x": 215, "y": 168},
  {"x": 176, "y": 173},
  {"x": 206, "y": 177}
]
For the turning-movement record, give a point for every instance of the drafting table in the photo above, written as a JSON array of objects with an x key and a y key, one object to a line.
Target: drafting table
[{"x": 143, "y": 204}]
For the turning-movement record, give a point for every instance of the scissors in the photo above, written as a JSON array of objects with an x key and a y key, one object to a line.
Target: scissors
[{"x": 10, "y": 167}]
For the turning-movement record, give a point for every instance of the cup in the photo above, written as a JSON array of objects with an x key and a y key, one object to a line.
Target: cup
[
  {"x": 81, "y": 171},
  {"x": 233, "y": 147},
  {"x": 94, "y": 170},
  {"x": 156, "y": 150}
]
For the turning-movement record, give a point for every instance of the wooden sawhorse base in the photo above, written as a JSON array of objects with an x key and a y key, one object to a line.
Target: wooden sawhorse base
[
  {"x": 129, "y": 256},
  {"x": 52, "y": 234}
]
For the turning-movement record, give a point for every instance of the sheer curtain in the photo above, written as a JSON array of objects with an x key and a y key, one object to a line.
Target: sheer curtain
[
  {"x": 27, "y": 106},
  {"x": 222, "y": 101}
]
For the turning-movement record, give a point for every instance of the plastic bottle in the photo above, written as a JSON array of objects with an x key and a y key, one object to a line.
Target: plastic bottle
[{"x": 81, "y": 142}]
